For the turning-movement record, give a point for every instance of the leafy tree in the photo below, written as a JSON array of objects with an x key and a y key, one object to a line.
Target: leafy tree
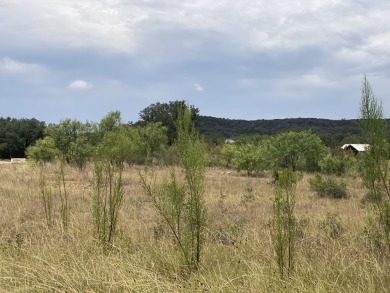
[
  {"x": 337, "y": 164},
  {"x": 16, "y": 135},
  {"x": 71, "y": 140},
  {"x": 167, "y": 114},
  {"x": 153, "y": 137},
  {"x": 110, "y": 122},
  {"x": 297, "y": 150},
  {"x": 227, "y": 155},
  {"x": 43, "y": 151},
  {"x": 252, "y": 158}
]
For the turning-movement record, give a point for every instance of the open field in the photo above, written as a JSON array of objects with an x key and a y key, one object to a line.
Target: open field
[{"x": 333, "y": 252}]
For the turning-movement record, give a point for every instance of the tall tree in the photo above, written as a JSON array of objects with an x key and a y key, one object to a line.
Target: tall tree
[{"x": 167, "y": 114}]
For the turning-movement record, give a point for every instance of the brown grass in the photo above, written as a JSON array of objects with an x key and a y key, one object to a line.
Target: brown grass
[{"x": 238, "y": 254}]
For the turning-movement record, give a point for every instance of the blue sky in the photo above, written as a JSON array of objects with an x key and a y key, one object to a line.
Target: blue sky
[{"x": 238, "y": 59}]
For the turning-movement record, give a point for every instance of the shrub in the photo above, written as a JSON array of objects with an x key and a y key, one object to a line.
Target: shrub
[
  {"x": 181, "y": 203},
  {"x": 337, "y": 165},
  {"x": 283, "y": 225},
  {"x": 329, "y": 187},
  {"x": 332, "y": 165}
]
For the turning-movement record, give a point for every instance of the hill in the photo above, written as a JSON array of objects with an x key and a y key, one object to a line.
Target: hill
[{"x": 332, "y": 131}]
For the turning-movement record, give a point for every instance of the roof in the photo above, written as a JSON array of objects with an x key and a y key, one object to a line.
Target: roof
[
  {"x": 229, "y": 141},
  {"x": 358, "y": 147}
]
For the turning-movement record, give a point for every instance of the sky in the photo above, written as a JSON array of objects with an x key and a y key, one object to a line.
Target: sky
[{"x": 236, "y": 59}]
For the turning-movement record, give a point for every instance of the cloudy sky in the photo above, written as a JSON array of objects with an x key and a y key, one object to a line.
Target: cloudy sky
[{"x": 239, "y": 59}]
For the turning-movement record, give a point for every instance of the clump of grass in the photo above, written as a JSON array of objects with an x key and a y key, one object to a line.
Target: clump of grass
[{"x": 332, "y": 226}]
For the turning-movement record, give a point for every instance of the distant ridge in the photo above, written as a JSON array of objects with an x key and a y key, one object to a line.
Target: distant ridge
[{"x": 223, "y": 128}]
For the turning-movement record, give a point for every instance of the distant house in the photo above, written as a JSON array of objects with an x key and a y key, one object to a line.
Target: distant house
[{"x": 355, "y": 148}]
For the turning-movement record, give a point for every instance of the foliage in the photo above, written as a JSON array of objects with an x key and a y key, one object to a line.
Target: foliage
[
  {"x": 107, "y": 199},
  {"x": 112, "y": 121},
  {"x": 297, "y": 150},
  {"x": 153, "y": 139},
  {"x": 71, "y": 141},
  {"x": 283, "y": 226},
  {"x": 227, "y": 155},
  {"x": 192, "y": 155},
  {"x": 375, "y": 164},
  {"x": 329, "y": 187},
  {"x": 182, "y": 204},
  {"x": 42, "y": 151},
  {"x": 332, "y": 165},
  {"x": 337, "y": 164},
  {"x": 334, "y": 133},
  {"x": 252, "y": 158},
  {"x": 167, "y": 114},
  {"x": 114, "y": 150},
  {"x": 16, "y": 135}
]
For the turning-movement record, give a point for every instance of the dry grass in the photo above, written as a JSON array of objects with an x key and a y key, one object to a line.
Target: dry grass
[{"x": 238, "y": 255}]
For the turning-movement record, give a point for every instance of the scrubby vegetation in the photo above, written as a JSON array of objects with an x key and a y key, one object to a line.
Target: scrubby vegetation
[
  {"x": 332, "y": 253},
  {"x": 114, "y": 207},
  {"x": 329, "y": 187}
]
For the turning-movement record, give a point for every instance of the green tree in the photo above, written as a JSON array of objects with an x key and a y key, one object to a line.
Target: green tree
[
  {"x": 153, "y": 139},
  {"x": 252, "y": 158},
  {"x": 110, "y": 122},
  {"x": 43, "y": 151},
  {"x": 167, "y": 114},
  {"x": 297, "y": 150},
  {"x": 64, "y": 134},
  {"x": 16, "y": 135}
]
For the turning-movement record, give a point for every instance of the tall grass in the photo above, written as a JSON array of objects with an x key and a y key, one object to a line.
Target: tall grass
[{"x": 238, "y": 255}]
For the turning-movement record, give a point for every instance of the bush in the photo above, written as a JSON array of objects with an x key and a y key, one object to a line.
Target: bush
[
  {"x": 332, "y": 165},
  {"x": 337, "y": 165},
  {"x": 329, "y": 187}
]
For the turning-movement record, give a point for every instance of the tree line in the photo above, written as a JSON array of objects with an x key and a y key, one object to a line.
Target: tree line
[{"x": 16, "y": 135}]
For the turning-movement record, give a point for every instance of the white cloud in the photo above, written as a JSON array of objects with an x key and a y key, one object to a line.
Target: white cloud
[
  {"x": 80, "y": 85},
  {"x": 247, "y": 48},
  {"x": 198, "y": 87},
  {"x": 13, "y": 66}
]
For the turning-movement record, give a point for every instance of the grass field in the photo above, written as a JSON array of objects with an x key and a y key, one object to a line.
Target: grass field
[{"x": 333, "y": 251}]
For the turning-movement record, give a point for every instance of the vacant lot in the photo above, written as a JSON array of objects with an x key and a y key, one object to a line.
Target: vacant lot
[{"x": 334, "y": 253}]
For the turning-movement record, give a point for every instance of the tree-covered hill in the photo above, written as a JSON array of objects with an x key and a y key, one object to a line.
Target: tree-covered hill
[
  {"x": 333, "y": 132},
  {"x": 228, "y": 128}
]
